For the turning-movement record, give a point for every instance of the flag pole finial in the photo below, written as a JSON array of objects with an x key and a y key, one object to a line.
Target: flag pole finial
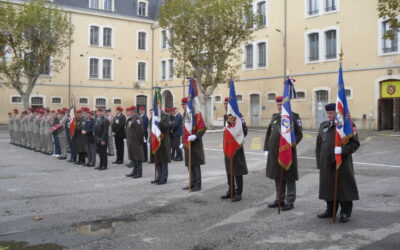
[{"x": 341, "y": 54}]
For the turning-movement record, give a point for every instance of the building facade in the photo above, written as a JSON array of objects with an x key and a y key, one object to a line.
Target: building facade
[{"x": 120, "y": 53}]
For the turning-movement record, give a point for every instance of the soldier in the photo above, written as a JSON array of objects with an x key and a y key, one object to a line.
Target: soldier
[
  {"x": 347, "y": 190},
  {"x": 110, "y": 144},
  {"x": 271, "y": 149},
  {"x": 163, "y": 154},
  {"x": 101, "y": 138},
  {"x": 10, "y": 128},
  {"x": 36, "y": 128},
  {"x": 53, "y": 120},
  {"x": 69, "y": 138},
  {"x": 176, "y": 131},
  {"x": 62, "y": 135},
  {"x": 79, "y": 139},
  {"x": 90, "y": 143},
  {"x": 134, "y": 141},
  {"x": 118, "y": 131},
  {"x": 42, "y": 132},
  {"x": 142, "y": 113},
  {"x": 30, "y": 139},
  {"x": 22, "y": 128},
  {"x": 16, "y": 126},
  {"x": 239, "y": 165},
  {"x": 197, "y": 152}
]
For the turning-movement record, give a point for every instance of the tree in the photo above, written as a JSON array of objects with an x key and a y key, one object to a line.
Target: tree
[
  {"x": 205, "y": 38},
  {"x": 33, "y": 39},
  {"x": 390, "y": 9}
]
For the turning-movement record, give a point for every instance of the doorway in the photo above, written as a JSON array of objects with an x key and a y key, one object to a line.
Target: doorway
[
  {"x": 255, "y": 110},
  {"x": 167, "y": 99},
  {"x": 321, "y": 99}
]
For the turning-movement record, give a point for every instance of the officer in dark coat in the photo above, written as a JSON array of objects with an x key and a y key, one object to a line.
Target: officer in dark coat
[
  {"x": 176, "y": 131},
  {"x": 197, "y": 152},
  {"x": 145, "y": 119},
  {"x": 325, "y": 153},
  {"x": 118, "y": 131},
  {"x": 271, "y": 149},
  {"x": 101, "y": 138},
  {"x": 79, "y": 139},
  {"x": 90, "y": 142},
  {"x": 239, "y": 165},
  {"x": 134, "y": 141},
  {"x": 162, "y": 156}
]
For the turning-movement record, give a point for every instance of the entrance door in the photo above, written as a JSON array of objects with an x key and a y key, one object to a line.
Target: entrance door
[
  {"x": 385, "y": 107},
  {"x": 255, "y": 110},
  {"x": 321, "y": 99},
  {"x": 167, "y": 99}
]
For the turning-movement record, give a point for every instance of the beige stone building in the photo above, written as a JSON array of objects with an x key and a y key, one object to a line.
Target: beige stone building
[{"x": 119, "y": 54}]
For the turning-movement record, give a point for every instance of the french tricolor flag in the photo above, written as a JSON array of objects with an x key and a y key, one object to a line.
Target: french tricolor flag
[
  {"x": 288, "y": 138},
  {"x": 155, "y": 129},
  {"x": 233, "y": 134}
]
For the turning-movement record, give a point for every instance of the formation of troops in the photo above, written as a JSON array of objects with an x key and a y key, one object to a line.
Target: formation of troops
[{"x": 99, "y": 132}]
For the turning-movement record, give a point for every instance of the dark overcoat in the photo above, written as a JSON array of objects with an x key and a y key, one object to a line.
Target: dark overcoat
[
  {"x": 239, "y": 159},
  {"x": 326, "y": 163},
  {"x": 100, "y": 130},
  {"x": 89, "y": 128},
  {"x": 163, "y": 154},
  {"x": 135, "y": 138},
  {"x": 271, "y": 144},
  {"x": 118, "y": 126},
  {"x": 197, "y": 149},
  {"x": 78, "y": 138}
]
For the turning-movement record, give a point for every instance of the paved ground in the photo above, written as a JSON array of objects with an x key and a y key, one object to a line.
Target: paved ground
[{"x": 82, "y": 208}]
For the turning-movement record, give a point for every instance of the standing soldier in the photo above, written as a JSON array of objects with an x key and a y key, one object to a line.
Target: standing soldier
[
  {"x": 16, "y": 126},
  {"x": 134, "y": 140},
  {"x": 110, "y": 144},
  {"x": 42, "y": 132},
  {"x": 271, "y": 149},
  {"x": 10, "y": 129},
  {"x": 142, "y": 112},
  {"x": 51, "y": 119},
  {"x": 90, "y": 143},
  {"x": 118, "y": 131},
  {"x": 22, "y": 128},
  {"x": 163, "y": 154},
  {"x": 31, "y": 117},
  {"x": 176, "y": 131},
  {"x": 239, "y": 165},
  {"x": 326, "y": 163},
  {"x": 36, "y": 129},
  {"x": 79, "y": 139},
  {"x": 101, "y": 138},
  {"x": 62, "y": 135},
  {"x": 197, "y": 152}
]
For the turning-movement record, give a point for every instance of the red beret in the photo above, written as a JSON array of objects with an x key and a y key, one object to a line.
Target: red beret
[
  {"x": 185, "y": 100},
  {"x": 24, "y": 112},
  {"x": 174, "y": 108},
  {"x": 279, "y": 99},
  {"x": 89, "y": 112},
  {"x": 119, "y": 109},
  {"x": 9, "y": 113},
  {"x": 47, "y": 110},
  {"x": 15, "y": 110},
  {"x": 53, "y": 111},
  {"x": 79, "y": 111},
  {"x": 100, "y": 109},
  {"x": 142, "y": 108},
  {"x": 226, "y": 99},
  {"x": 167, "y": 110},
  {"x": 62, "y": 112},
  {"x": 66, "y": 109},
  {"x": 41, "y": 112}
]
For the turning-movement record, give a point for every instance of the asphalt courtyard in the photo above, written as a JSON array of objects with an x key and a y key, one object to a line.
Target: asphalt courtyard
[{"x": 47, "y": 203}]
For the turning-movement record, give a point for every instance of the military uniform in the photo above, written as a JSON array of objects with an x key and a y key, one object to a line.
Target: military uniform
[
  {"x": 79, "y": 140},
  {"x": 145, "y": 120},
  {"x": 110, "y": 144},
  {"x": 16, "y": 127},
  {"x": 23, "y": 128},
  {"x": 36, "y": 137},
  {"x": 90, "y": 143},
  {"x": 273, "y": 170},
  {"x": 10, "y": 129},
  {"x": 42, "y": 134},
  {"x": 62, "y": 136},
  {"x": 162, "y": 156},
  {"x": 118, "y": 127},
  {"x": 31, "y": 117},
  {"x": 100, "y": 135},
  {"x": 50, "y": 137},
  {"x": 134, "y": 141},
  {"x": 176, "y": 132},
  {"x": 347, "y": 188}
]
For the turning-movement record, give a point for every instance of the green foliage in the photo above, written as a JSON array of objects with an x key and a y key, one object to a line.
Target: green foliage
[
  {"x": 31, "y": 35},
  {"x": 390, "y": 9},
  {"x": 206, "y": 37}
]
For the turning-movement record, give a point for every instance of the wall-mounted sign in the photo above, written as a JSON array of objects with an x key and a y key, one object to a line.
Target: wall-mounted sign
[{"x": 390, "y": 89}]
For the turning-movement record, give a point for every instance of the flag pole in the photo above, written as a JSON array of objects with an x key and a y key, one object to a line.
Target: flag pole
[
  {"x": 190, "y": 166},
  {"x": 337, "y": 167}
]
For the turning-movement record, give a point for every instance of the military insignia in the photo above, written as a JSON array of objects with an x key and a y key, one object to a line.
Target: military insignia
[
  {"x": 391, "y": 89},
  {"x": 299, "y": 122},
  {"x": 138, "y": 121},
  {"x": 117, "y": 121},
  {"x": 325, "y": 129},
  {"x": 231, "y": 120}
]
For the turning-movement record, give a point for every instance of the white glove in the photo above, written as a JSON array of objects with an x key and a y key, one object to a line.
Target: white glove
[
  {"x": 338, "y": 150},
  {"x": 266, "y": 155},
  {"x": 144, "y": 140},
  {"x": 156, "y": 119},
  {"x": 181, "y": 146},
  {"x": 192, "y": 138}
]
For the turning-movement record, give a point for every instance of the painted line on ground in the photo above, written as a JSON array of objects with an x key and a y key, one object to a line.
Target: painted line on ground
[{"x": 312, "y": 158}]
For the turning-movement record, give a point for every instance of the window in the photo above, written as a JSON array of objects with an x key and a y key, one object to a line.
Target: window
[
  {"x": 94, "y": 35},
  {"x": 45, "y": 68},
  {"x": 330, "y": 5},
  {"x": 171, "y": 68},
  {"x": 271, "y": 96},
  {"x": 301, "y": 95},
  {"x": 249, "y": 56},
  {"x": 142, "y": 40},
  {"x": 248, "y": 18},
  {"x": 163, "y": 70},
  {"x": 313, "y": 7},
  {"x": 37, "y": 100},
  {"x": 101, "y": 103},
  {"x": 56, "y": 100},
  {"x": 239, "y": 98},
  {"x": 16, "y": 99},
  {"x": 142, "y": 9},
  {"x": 94, "y": 4},
  {"x": 330, "y": 44},
  {"x": 390, "y": 45},
  {"x": 322, "y": 95},
  {"x": 262, "y": 62},
  {"x": 141, "y": 101},
  {"x": 348, "y": 93},
  {"x": 107, "y": 37},
  {"x": 164, "y": 39},
  {"x": 217, "y": 98},
  {"x": 261, "y": 11},
  {"x": 108, "y": 5},
  {"x": 94, "y": 68},
  {"x": 107, "y": 69},
  {"x": 117, "y": 101},
  {"x": 141, "y": 71},
  {"x": 313, "y": 40},
  {"x": 83, "y": 100}
]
